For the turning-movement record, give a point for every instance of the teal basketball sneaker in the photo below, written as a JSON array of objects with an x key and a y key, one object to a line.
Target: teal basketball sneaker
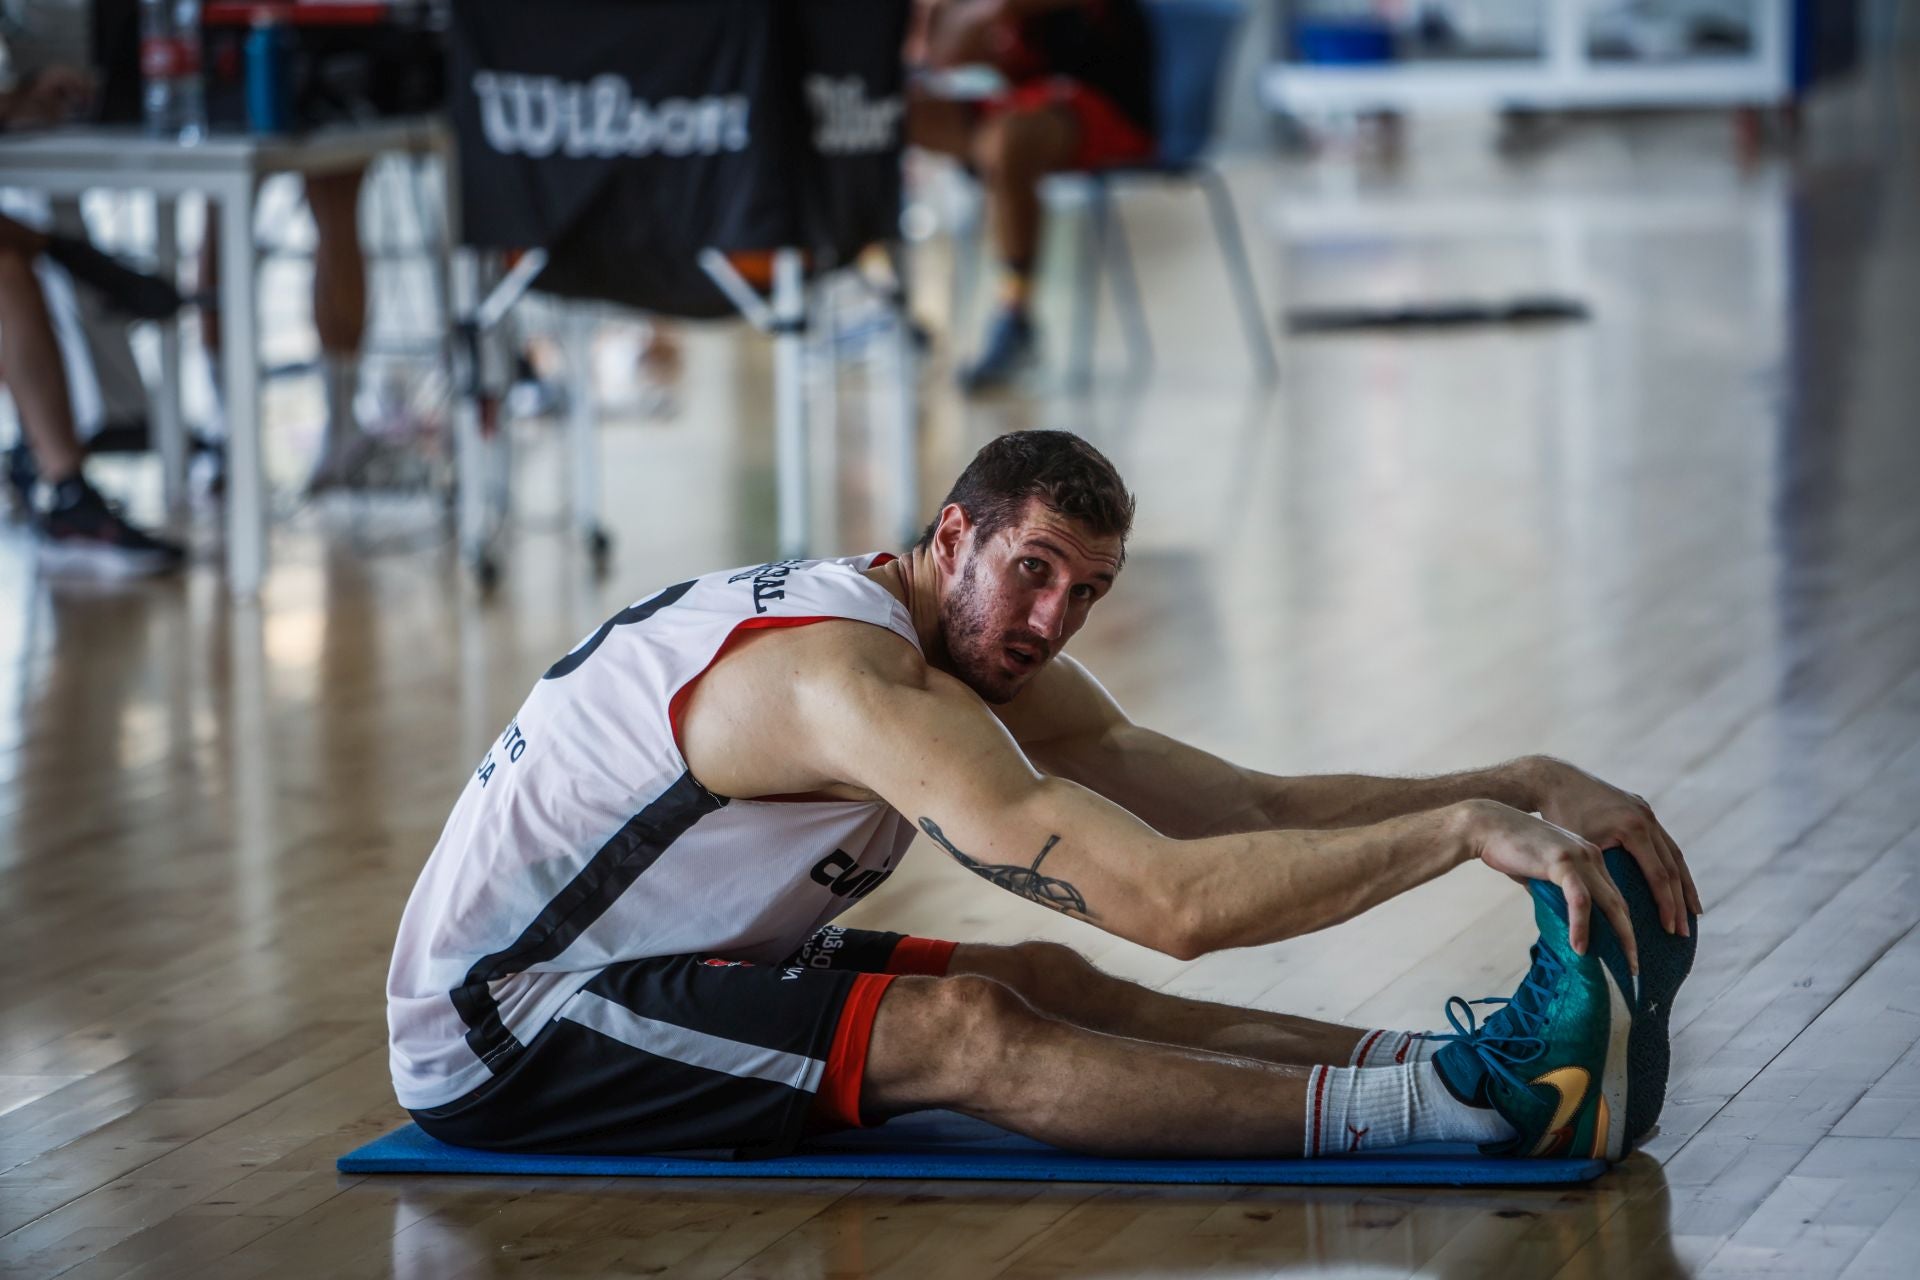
[
  {"x": 1553, "y": 1059},
  {"x": 1665, "y": 960}
]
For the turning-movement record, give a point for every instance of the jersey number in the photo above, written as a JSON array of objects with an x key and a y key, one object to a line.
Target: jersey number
[{"x": 631, "y": 614}]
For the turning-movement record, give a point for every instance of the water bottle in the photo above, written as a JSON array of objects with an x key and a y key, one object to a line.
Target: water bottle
[
  {"x": 269, "y": 97},
  {"x": 172, "y": 93}
]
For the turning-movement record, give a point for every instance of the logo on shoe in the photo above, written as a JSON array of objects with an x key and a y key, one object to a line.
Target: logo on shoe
[{"x": 1570, "y": 1085}]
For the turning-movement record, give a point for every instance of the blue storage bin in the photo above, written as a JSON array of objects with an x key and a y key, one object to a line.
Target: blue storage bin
[{"x": 1344, "y": 42}]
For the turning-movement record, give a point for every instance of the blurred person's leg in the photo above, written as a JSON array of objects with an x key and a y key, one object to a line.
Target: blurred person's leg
[
  {"x": 339, "y": 316},
  {"x": 30, "y": 358},
  {"x": 1012, "y": 151},
  {"x": 109, "y": 395},
  {"x": 941, "y": 124},
  {"x": 78, "y": 530}
]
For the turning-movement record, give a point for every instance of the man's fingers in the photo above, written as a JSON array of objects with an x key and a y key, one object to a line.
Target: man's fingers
[
  {"x": 1662, "y": 877},
  {"x": 1614, "y": 907},
  {"x": 1686, "y": 872},
  {"x": 1578, "y": 905},
  {"x": 1677, "y": 871}
]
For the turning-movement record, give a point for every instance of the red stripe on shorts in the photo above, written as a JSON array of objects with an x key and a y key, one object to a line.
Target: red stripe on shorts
[
  {"x": 929, "y": 957},
  {"x": 839, "y": 1096}
]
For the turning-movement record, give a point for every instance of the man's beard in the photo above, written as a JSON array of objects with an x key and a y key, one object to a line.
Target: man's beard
[{"x": 975, "y": 646}]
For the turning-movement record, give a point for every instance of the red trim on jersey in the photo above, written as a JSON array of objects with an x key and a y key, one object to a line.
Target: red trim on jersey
[
  {"x": 678, "y": 703},
  {"x": 929, "y": 957},
  {"x": 839, "y": 1096}
]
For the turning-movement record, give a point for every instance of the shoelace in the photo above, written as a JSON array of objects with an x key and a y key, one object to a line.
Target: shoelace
[{"x": 1502, "y": 1049}]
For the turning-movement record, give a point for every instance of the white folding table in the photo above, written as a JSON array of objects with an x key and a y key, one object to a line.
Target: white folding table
[{"x": 227, "y": 169}]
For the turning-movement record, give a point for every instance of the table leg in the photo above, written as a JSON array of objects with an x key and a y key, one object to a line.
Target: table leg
[
  {"x": 582, "y": 425},
  {"x": 791, "y": 453},
  {"x": 169, "y": 429},
  {"x": 240, "y": 382},
  {"x": 899, "y": 382},
  {"x": 470, "y": 455}
]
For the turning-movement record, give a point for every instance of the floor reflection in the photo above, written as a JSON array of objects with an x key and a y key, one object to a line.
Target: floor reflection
[{"x": 1618, "y": 1227}]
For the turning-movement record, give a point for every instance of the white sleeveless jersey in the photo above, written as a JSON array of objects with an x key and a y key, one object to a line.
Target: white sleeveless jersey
[{"x": 583, "y": 839}]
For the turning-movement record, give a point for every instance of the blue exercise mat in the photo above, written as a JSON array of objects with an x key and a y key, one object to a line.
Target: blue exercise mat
[{"x": 941, "y": 1144}]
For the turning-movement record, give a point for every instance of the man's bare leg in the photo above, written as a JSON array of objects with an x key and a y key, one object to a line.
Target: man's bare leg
[
  {"x": 940, "y": 124},
  {"x": 30, "y": 358},
  {"x": 78, "y": 528},
  {"x": 973, "y": 1045},
  {"x": 340, "y": 319},
  {"x": 339, "y": 263},
  {"x": 339, "y": 266},
  {"x": 1061, "y": 983},
  {"x": 1013, "y": 151}
]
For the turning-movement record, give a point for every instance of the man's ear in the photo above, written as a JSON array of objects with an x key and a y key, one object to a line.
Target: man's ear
[{"x": 951, "y": 534}]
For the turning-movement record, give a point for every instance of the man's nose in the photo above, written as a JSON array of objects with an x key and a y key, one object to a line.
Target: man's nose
[{"x": 1049, "y": 614}]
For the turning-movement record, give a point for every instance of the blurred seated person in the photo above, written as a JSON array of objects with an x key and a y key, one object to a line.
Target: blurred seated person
[
  {"x": 1079, "y": 97},
  {"x": 78, "y": 530},
  {"x": 43, "y": 50}
]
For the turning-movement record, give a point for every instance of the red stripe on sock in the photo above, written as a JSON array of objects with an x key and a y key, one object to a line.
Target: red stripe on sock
[
  {"x": 1366, "y": 1047},
  {"x": 1313, "y": 1112},
  {"x": 1405, "y": 1044}
]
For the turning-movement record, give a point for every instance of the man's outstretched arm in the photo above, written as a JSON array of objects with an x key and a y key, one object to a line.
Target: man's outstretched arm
[
  {"x": 877, "y": 718},
  {"x": 1072, "y": 728}
]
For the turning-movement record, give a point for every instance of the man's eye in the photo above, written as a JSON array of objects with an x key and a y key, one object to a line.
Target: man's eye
[
  {"x": 1083, "y": 592},
  {"x": 1033, "y": 564}
]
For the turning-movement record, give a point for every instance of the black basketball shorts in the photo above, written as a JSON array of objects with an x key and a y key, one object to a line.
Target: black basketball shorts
[{"x": 696, "y": 1054}]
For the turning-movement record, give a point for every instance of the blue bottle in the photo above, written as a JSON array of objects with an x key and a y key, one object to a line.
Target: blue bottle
[{"x": 269, "y": 84}]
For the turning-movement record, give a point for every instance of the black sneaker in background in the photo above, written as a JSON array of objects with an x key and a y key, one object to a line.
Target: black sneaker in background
[
  {"x": 22, "y": 476},
  {"x": 82, "y": 534},
  {"x": 1010, "y": 348}
]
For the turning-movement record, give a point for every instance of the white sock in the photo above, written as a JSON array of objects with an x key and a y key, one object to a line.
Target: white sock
[
  {"x": 1391, "y": 1048},
  {"x": 340, "y": 381},
  {"x": 1371, "y": 1108}
]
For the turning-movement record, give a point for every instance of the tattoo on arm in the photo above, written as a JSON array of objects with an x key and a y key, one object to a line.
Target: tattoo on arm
[{"x": 1028, "y": 882}]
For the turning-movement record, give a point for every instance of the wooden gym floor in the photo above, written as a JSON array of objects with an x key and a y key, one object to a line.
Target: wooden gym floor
[{"x": 1678, "y": 544}]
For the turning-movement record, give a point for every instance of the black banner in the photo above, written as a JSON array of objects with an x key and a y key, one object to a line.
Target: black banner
[{"x": 624, "y": 136}]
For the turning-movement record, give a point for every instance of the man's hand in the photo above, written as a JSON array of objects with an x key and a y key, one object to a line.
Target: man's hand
[
  {"x": 53, "y": 96},
  {"x": 1573, "y": 798},
  {"x": 1528, "y": 848}
]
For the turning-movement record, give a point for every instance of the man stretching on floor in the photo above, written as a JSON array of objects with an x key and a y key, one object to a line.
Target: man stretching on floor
[{"x": 621, "y": 942}]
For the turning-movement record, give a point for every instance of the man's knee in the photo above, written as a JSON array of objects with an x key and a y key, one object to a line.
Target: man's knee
[
  {"x": 1050, "y": 975},
  {"x": 1022, "y": 146},
  {"x": 988, "y": 149},
  {"x": 936, "y": 1040},
  {"x": 938, "y": 124}
]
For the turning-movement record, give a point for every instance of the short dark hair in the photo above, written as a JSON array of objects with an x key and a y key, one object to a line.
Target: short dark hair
[{"x": 1068, "y": 475}]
